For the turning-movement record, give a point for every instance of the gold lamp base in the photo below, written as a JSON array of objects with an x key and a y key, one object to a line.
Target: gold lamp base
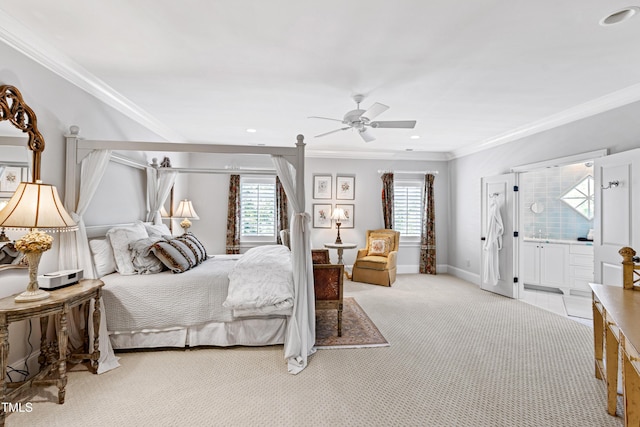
[
  {"x": 338, "y": 239},
  {"x": 185, "y": 224},
  {"x": 29, "y": 296}
]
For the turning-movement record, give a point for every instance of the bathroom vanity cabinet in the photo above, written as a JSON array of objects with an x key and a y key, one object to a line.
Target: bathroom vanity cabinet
[{"x": 559, "y": 264}]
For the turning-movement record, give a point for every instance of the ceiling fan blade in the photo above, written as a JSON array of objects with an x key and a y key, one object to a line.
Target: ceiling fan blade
[
  {"x": 324, "y": 118},
  {"x": 366, "y": 135},
  {"x": 374, "y": 111},
  {"x": 333, "y": 131},
  {"x": 408, "y": 124}
]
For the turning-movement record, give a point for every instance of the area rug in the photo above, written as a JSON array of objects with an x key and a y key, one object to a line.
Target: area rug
[{"x": 358, "y": 331}]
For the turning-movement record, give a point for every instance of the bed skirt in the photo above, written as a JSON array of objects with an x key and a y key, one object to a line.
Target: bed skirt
[{"x": 245, "y": 332}]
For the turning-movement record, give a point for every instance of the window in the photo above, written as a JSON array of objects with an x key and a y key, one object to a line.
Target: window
[
  {"x": 258, "y": 207},
  {"x": 580, "y": 197},
  {"x": 407, "y": 207}
]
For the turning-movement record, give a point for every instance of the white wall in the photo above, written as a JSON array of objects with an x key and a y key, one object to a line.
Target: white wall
[
  {"x": 618, "y": 130},
  {"x": 209, "y": 194},
  {"x": 57, "y": 105}
]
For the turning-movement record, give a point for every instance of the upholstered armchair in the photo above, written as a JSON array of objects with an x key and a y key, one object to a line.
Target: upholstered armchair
[{"x": 376, "y": 264}]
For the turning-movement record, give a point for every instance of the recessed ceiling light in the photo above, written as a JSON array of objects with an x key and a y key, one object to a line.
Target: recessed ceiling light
[
  {"x": 261, "y": 145},
  {"x": 250, "y": 130},
  {"x": 619, "y": 16},
  {"x": 415, "y": 137}
]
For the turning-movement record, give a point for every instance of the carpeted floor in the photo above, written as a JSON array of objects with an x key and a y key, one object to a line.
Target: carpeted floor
[
  {"x": 459, "y": 356},
  {"x": 358, "y": 331}
]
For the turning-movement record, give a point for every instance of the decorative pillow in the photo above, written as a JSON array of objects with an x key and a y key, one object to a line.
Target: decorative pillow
[
  {"x": 157, "y": 230},
  {"x": 120, "y": 237},
  {"x": 143, "y": 260},
  {"x": 379, "y": 246},
  {"x": 174, "y": 254},
  {"x": 103, "y": 258},
  {"x": 195, "y": 245}
]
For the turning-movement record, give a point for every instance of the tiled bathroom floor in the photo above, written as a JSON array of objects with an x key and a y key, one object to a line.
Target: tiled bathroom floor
[{"x": 557, "y": 303}]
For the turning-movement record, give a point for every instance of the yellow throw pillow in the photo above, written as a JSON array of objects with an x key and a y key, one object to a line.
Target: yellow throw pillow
[{"x": 379, "y": 246}]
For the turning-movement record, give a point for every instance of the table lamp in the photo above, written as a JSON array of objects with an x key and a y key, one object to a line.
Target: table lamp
[
  {"x": 3, "y": 236},
  {"x": 35, "y": 207},
  {"x": 338, "y": 215},
  {"x": 186, "y": 212}
]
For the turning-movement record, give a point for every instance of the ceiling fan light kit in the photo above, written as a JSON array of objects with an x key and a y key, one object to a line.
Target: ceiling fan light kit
[{"x": 361, "y": 120}]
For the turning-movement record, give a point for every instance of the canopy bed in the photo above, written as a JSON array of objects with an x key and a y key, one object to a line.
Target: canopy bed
[{"x": 293, "y": 325}]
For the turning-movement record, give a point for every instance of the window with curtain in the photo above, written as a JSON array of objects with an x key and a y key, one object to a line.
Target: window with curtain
[
  {"x": 407, "y": 207},
  {"x": 258, "y": 208}
]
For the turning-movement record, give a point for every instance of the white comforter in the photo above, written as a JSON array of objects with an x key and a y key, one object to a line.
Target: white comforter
[
  {"x": 168, "y": 300},
  {"x": 261, "y": 282}
]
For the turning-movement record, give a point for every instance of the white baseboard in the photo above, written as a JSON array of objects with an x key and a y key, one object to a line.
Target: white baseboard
[
  {"x": 464, "y": 274},
  {"x": 32, "y": 364},
  {"x": 415, "y": 269}
]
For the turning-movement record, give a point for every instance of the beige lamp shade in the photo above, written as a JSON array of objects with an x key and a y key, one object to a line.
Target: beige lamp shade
[
  {"x": 338, "y": 215},
  {"x": 36, "y": 205},
  {"x": 185, "y": 210}
]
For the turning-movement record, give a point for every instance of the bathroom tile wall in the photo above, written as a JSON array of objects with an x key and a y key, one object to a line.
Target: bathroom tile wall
[{"x": 545, "y": 187}]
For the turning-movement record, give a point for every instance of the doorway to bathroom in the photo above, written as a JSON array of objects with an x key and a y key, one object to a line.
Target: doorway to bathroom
[{"x": 556, "y": 218}]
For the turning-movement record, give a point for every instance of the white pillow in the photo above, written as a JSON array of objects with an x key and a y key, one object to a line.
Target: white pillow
[
  {"x": 157, "y": 230},
  {"x": 102, "y": 256},
  {"x": 120, "y": 237},
  {"x": 143, "y": 260}
]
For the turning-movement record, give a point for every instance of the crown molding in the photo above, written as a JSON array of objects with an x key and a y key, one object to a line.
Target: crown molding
[
  {"x": 27, "y": 43},
  {"x": 377, "y": 155},
  {"x": 605, "y": 103}
]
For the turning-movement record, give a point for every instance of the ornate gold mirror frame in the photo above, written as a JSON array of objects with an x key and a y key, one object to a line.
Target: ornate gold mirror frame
[
  {"x": 19, "y": 114},
  {"x": 15, "y": 110}
]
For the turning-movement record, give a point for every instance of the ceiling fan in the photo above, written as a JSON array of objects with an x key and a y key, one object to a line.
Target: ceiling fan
[{"x": 361, "y": 120}]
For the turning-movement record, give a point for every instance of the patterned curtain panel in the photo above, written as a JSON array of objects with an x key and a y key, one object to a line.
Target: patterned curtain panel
[
  {"x": 428, "y": 238},
  {"x": 282, "y": 210},
  {"x": 387, "y": 199},
  {"x": 233, "y": 216}
]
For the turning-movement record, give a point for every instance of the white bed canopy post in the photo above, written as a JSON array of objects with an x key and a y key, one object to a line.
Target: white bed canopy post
[
  {"x": 74, "y": 247},
  {"x": 300, "y": 338}
]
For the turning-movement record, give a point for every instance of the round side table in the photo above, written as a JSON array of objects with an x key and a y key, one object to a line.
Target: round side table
[{"x": 340, "y": 247}]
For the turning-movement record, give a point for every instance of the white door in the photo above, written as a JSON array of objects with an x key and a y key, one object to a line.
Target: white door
[
  {"x": 501, "y": 188},
  {"x": 616, "y": 177},
  {"x": 530, "y": 267}
]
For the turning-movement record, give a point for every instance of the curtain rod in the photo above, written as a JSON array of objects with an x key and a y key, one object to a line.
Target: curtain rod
[
  {"x": 228, "y": 171},
  {"x": 415, "y": 172}
]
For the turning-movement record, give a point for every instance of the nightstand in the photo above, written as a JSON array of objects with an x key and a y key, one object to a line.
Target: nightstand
[{"x": 53, "y": 356}]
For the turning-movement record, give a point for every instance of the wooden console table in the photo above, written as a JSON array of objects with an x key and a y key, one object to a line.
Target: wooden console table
[
  {"x": 53, "y": 361},
  {"x": 616, "y": 327}
]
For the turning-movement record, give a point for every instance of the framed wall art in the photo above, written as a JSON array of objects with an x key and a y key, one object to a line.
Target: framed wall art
[
  {"x": 345, "y": 187},
  {"x": 349, "y": 212},
  {"x": 321, "y": 216},
  {"x": 322, "y": 186},
  {"x": 10, "y": 178}
]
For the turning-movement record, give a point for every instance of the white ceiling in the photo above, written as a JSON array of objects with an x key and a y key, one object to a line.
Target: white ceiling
[{"x": 473, "y": 74}]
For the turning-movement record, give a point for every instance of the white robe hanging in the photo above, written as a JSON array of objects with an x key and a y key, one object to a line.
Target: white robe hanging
[{"x": 493, "y": 243}]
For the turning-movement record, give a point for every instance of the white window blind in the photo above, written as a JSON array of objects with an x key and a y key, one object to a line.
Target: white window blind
[
  {"x": 257, "y": 207},
  {"x": 407, "y": 207}
]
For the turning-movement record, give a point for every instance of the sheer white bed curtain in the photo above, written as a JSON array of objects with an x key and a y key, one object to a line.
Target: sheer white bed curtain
[{"x": 301, "y": 332}]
